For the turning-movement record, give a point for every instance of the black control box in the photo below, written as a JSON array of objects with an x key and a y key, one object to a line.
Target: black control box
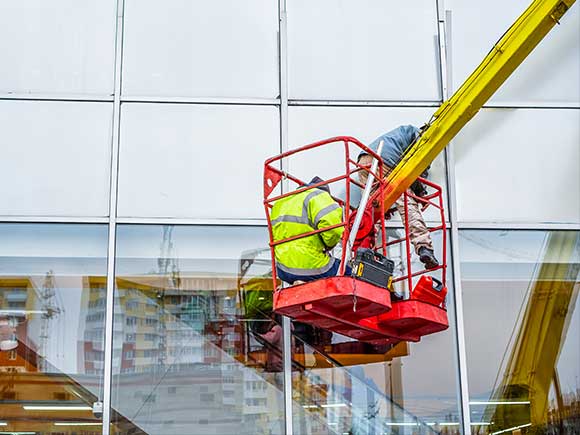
[{"x": 373, "y": 268}]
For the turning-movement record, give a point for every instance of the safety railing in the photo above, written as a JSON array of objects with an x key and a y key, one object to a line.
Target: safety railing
[
  {"x": 434, "y": 199},
  {"x": 273, "y": 176},
  {"x": 351, "y": 149}
]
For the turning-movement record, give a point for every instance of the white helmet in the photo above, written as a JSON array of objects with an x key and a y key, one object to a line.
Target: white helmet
[{"x": 8, "y": 344}]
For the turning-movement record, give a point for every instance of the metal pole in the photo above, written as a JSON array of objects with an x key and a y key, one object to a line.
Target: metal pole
[
  {"x": 363, "y": 203},
  {"x": 287, "y": 366},
  {"x": 444, "y": 24},
  {"x": 286, "y": 322},
  {"x": 109, "y": 314}
]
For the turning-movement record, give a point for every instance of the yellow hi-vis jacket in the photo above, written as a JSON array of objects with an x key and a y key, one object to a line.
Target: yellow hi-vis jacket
[{"x": 299, "y": 214}]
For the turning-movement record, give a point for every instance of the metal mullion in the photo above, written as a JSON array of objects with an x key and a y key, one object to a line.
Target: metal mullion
[
  {"x": 530, "y": 105},
  {"x": 283, "y": 83},
  {"x": 444, "y": 34},
  {"x": 517, "y": 226},
  {"x": 201, "y": 100},
  {"x": 364, "y": 103},
  {"x": 57, "y": 97},
  {"x": 283, "y": 71},
  {"x": 55, "y": 219},
  {"x": 418, "y": 104},
  {"x": 109, "y": 317},
  {"x": 192, "y": 221}
]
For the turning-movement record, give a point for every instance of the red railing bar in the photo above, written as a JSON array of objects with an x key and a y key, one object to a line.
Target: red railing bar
[{"x": 320, "y": 143}]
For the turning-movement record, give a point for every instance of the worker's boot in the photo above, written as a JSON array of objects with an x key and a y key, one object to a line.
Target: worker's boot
[{"x": 427, "y": 257}]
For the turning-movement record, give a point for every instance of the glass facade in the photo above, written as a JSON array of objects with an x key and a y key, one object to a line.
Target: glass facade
[
  {"x": 525, "y": 364},
  {"x": 187, "y": 359},
  {"x": 52, "y": 322},
  {"x": 132, "y": 137}
]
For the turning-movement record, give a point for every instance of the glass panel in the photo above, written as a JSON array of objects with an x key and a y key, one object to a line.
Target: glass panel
[
  {"x": 520, "y": 297},
  {"x": 311, "y": 124},
  {"x": 186, "y": 358},
  {"x": 57, "y": 47},
  {"x": 201, "y": 161},
  {"x": 506, "y": 151},
  {"x": 55, "y": 158},
  {"x": 363, "y": 50},
  {"x": 218, "y": 48},
  {"x": 52, "y": 318},
  {"x": 345, "y": 386},
  {"x": 549, "y": 74},
  {"x": 364, "y": 399}
]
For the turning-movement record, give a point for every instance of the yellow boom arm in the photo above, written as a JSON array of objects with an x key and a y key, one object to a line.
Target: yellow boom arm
[{"x": 507, "y": 54}]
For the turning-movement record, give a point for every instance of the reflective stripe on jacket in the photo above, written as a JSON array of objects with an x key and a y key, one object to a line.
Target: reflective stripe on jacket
[{"x": 299, "y": 214}]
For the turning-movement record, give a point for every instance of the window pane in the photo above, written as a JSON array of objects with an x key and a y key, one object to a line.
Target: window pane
[
  {"x": 520, "y": 296},
  {"x": 525, "y": 164},
  {"x": 185, "y": 358},
  {"x": 218, "y": 48},
  {"x": 200, "y": 161},
  {"x": 549, "y": 74},
  {"x": 406, "y": 388},
  {"x": 55, "y": 158},
  {"x": 311, "y": 124},
  {"x": 52, "y": 319},
  {"x": 363, "y": 50},
  {"x": 57, "y": 47}
]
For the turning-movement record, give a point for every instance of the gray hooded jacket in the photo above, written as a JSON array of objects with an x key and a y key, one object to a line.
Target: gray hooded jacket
[{"x": 396, "y": 143}]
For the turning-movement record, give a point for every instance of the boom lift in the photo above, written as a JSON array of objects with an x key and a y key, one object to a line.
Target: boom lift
[
  {"x": 504, "y": 57},
  {"x": 361, "y": 307},
  {"x": 365, "y": 311}
]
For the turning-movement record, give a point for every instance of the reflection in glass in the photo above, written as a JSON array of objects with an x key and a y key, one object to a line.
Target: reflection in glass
[
  {"x": 364, "y": 399},
  {"x": 348, "y": 387},
  {"x": 522, "y": 323},
  {"x": 187, "y": 358},
  {"x": 52, "y": 317}
]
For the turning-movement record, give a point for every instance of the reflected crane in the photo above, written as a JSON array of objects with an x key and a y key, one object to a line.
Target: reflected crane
[
  {"x": 51, "y": 311},
  {"x": 167, "y": 267},
  {"x": 532, "y": 364}
]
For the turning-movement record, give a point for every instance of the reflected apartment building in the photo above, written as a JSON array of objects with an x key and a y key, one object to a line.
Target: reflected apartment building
[
  {"x": 180, "y": 332},
  {"x": 32, "y": 376}
]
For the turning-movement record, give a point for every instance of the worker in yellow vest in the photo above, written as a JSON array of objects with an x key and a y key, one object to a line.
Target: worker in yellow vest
[{"x": 306, "y": 258}]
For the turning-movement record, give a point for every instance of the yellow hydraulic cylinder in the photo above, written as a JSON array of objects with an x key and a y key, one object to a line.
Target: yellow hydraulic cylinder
[{"x": 507, "y": 54}]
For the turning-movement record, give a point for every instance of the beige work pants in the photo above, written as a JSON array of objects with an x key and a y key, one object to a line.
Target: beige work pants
[{"x": 418, "y": 232}]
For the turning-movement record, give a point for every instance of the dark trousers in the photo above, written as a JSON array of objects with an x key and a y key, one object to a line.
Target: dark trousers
[{"x": 290, "y": 277}]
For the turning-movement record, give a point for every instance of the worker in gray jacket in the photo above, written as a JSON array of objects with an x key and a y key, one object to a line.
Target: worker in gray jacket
[{"x": 395, "y": 143}]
